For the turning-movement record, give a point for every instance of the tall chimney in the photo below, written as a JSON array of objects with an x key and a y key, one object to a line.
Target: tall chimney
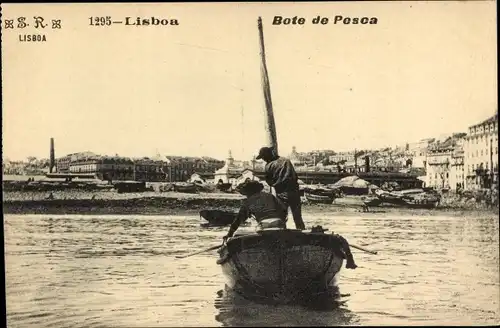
[{"x": 52, "y": 155}]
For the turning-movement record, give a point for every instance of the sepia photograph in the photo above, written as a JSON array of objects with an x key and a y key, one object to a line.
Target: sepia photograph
[{"x": 250, "y": 164}]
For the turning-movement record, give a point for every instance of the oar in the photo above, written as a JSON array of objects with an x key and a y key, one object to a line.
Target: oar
[
  {"x": 199, "y": 252},
  {"x": 363, "y": 249}
]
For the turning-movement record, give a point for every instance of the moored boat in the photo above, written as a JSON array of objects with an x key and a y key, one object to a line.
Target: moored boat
[
  {"x": 224, "y": 187},
  {"x": 320, "y": 195},
  {"x": 318, "y": 198},
  {"x": 285, "y": 266},
  {"x": 185, "y": 187},
  {"x": 421, "y": 201},
  {"x": 130, "y": 186},
  {"x": 414, "y": 198},
  {"x": 103, "y": 187},
  {"x": 165, "y": 187},
  {"x": 352, "y": 185},
  {"x": 372, "y": 201},
  {"x": 217, "y": 217}
]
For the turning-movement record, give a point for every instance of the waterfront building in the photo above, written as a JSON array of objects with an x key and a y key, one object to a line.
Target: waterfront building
[
  {"x": 116, "y": 168},
  {"x": 445, "y": 163},
  {"x": 14, "y": 167},
  {"x": 209, "y": 164},
  {"x": 172, "y": 168},
  {"x": 113, "y": 167},
  {"x": 259, "y": 165},
  {"x": 91, "y": 165},
  {"x": 308, "y": 159},
  {"x": 102, "y": 167},
  {"x": 254, "y": 175},
  {"x": 63, "y": 163},
  {"x": 300, "y": 159},
  {"x": 180, "y": 168},
  {"x": 481, "y": 154},
  {"x": 365, "y": 161},
  {"x": 146, "y": 169},
  {"x": 342, "y": 157},
  {"x": 345, "y": 162},
  {"x": 457, "y": 167},
  {"x": 438, "y": 166},
  {"x": 386, "y": 162},
  {"x": 418, "y": 152},
  {"x": 229, "y": 172},
  {"x": 295, "y": 157}
]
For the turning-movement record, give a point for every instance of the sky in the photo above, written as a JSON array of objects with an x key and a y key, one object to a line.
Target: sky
[{"x": 426, "y": 69}]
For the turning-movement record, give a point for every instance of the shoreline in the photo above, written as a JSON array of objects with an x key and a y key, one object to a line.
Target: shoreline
[{"x": 172, "y": 203}]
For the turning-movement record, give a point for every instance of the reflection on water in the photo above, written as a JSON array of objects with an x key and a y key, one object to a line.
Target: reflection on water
[
  {"x": 235, "y": 310},
  {"x": 121, "y": 271}
]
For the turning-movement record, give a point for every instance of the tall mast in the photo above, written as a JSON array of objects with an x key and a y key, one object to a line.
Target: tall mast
[
  {"x": 270, "y": 125},
  {"x": 52, "y": 160}
]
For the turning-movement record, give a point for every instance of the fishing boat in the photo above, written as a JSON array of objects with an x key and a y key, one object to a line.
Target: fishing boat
[
  {"x": 130, "y": 186},
  {"x": 217, "y": 217},
  {"x": 372, "y": 201},
  {"x": 165, "y": 187},
  {"x": 225, "y": 187},
  {"x": 421, "y": 201},
  {"x": 352, "y": 185},
  {"x": 320, "y": 194},
  {"x": 185, "y": 187},
  {"x": 283, "y": 265},
  {"x": 318, "y": 198},
  {"x": 412, "y": 198},
  {"x": 103, "y": 187}
]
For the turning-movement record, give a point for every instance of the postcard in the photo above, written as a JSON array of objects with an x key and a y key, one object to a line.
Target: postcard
[{"x": 246, "y": 164}]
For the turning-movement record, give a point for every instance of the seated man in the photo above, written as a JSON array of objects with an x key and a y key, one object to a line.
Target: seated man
[{"x": 267, "y": 210}]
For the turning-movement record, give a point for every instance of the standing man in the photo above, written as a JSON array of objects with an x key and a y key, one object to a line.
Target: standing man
[{"x": 281, "y": 175}]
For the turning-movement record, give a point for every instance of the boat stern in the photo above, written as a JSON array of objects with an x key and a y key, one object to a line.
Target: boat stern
[{"x": 281, "y": 265}]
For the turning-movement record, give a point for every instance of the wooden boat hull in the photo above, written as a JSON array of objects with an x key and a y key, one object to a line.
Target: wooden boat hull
[
  {"x": 319, "y": 199},
  {"x": 417, "y": 203},
  {"x": 192, "y": 189},
  {"x": 426, "y": 202},
  {"x": 346, "y": 190},
  {"x": 217, "y": 217},
  {"x": 372, "y": 202},
  {"x": 224, "y": 187},
  {"x": 125, "y": 187},
  {"x": 166, "y": 187},
  {"x": 284, "y": 266}
]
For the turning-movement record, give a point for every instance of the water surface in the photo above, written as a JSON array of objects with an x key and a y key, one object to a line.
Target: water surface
[{"x": 120, "y": 271}]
